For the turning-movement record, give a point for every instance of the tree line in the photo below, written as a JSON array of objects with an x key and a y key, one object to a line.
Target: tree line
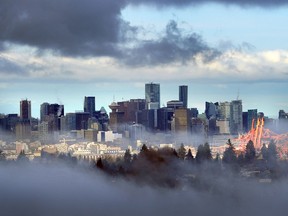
[{"x": 168, "y": 166}]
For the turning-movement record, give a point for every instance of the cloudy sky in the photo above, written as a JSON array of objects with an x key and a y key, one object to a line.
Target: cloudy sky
[{"x": 59, "y": 51}]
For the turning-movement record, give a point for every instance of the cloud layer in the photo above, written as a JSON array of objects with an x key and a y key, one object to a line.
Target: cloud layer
[
  {"x": 91, "y": 28},
  {"x": 69, "y": 27},
  {"x": 57, "y": 190},
  {"x": 95, "y": 28}
]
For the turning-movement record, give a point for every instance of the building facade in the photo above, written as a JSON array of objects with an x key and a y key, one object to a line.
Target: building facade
[
  {"x": 152, "y": 95},
  {"x": 25, "y": 109},
  {"x": 89, "y": 105},
  {"x": 183, "y": 95},
  {"x": 236, "y": 120}
]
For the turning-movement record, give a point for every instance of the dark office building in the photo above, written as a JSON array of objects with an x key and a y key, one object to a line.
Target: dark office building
[
  {"x": 236, "y": 119},
  {"x": 211, "y": 110},
  {"x": 194, "y": 112},
  {"x": 81, "y": 119},
  {"x": 44, "y": 111},
  {"x": 89, "y": 105},
  {"x": 245, "y": 121},
  {"x": 56, "y": 109},
  {"x": 252, "y": 114},
  {"x": 183, "y": 95},
  {"x": 146, "y": 118},
  {"x": 52, "y": 113},
  {"x": 165, "y": 117},
  {"x": 25, "y": 109},
  {"x": 8, "y": 122}
]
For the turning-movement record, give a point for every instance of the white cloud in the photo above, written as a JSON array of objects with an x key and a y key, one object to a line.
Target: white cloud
[{"x": 232, "y": 66}]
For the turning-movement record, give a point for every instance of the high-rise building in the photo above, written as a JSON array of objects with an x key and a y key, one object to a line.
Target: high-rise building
[
  {"x": 194, "y": 112},
  {"x": 152, "y": 95},
  {"x": 89, "y": 105},
  {"x": 44, "y": 111},
  {"x": 70, "y": 121},
  {"x": 211, "y": 110},
  {"x": 146, "y": 118},
  {"x": 52, "y": 113},
  {"x": 23, "y": 130},
  {"x": 165, "y": 117},
  {"x": 56, "y": 109},
  {"x": 81, "y": 119},
  {"x": 25, "y": 109},
  {"x": 224, "y": 110},
  {"x": 252, "y": 114},
  {"x": 245, "y": 122},
  {"x": 182, "y": 120},
  {"x": 183, "y": 95},
  {"x": 236, "y": 120},
  {"x": 125, "y": 112}
]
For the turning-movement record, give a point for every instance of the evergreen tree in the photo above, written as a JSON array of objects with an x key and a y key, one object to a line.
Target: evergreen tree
[
  {"x": 2, "y": 156},
  {"x": 203, "y": 153},
  {"x": 200, "y": 153},
  {"x": 127, "y": 156},
  {"x": 272, "y": 154},
  {"x": 144, "y": 148},
  {"x": 250, "y": 152},
  {"x": 264, "y": 152},
  {"x": 175, "y": 154},
  {"x": 181, "y": 152},
  {"x": 207, "y": 151},
  {"x": 229, "y": 155},
  {"x": 217, "y": 158},
  {"x": 99, "y": 164},
  {"x": 189, "y": 157},
  {"x": 22, "y": 157}
]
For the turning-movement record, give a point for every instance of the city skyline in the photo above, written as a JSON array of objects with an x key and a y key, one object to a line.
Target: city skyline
[
  {"x": 36, "y": 111},
  {"x": 61, "y": 55},
  {"x": 36, "y": 107}
]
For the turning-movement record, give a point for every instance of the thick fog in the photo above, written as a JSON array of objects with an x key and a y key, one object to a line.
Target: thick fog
[{"x": 47, "y": 190}]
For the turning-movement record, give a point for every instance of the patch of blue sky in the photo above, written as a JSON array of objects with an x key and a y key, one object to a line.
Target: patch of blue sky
[{"x": 264, "y": 29}]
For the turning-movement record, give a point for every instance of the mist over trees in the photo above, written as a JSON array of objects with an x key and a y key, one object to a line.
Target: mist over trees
[
  {"x": 174, "y": 168},
  {"x": 157, "y": 181}
]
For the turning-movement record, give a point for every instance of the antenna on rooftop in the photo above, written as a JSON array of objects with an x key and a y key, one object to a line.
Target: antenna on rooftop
[{"x": 238, "y": 94}]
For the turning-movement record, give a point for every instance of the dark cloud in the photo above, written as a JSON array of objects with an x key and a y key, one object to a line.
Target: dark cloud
[
  {"x": 71, "y": 27},
  {"x": 96, "y": 28},
  {"x": 90, "y": 28},
  {"x": 173, "y": 46},
  {"x": 242, "y": 3}
]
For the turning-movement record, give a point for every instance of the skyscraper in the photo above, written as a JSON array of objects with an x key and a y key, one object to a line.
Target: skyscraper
[
  {"x": 152, "y": 95},
  {"x": 25, "y": 109},
  {"x": 211, "y": 110},
  {"x": 44, "y": 111},
  {"x": 224, "y": 110},
  {"x": 89, "y": 105},
  {"x": 52, "y": 113},
  {"x": 252, "y": 114},
  {"x": 236, "y": 121},
  {"x": 183, "y": 95}
]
